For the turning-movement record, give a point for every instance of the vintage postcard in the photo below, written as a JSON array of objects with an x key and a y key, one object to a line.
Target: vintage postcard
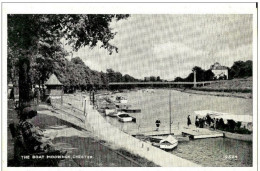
[{"x": 129, "y": 85}]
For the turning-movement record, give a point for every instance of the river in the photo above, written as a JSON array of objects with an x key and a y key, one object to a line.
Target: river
[{"x": 207, "y": 152}]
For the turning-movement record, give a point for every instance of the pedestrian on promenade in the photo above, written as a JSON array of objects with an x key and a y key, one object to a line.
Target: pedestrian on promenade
[
  {"x": 188, "y": 120},
  {"x": 157, "y": 122}
]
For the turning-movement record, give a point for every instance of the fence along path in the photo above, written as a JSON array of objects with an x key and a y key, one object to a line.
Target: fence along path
[{"x": 105, "y": 131}]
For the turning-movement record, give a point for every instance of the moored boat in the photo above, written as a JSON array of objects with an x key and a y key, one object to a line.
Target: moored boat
[
  {"x": 168, "y": 143},
  {"x": 124, "y": 117},
  {"x": 132, "y": 110},
  {"x": 108, "y": 112}
]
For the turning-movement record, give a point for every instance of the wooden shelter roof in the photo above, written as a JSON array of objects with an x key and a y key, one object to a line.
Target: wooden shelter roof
[{"x": 53, "y": 80}]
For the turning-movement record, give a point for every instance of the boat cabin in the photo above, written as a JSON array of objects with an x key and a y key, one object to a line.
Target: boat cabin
[{"x": 246, "y": 120}]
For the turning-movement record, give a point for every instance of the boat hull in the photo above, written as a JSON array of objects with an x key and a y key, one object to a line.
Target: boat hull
[
  {"x": 168, "y": 147},
  {"x": 129, "y": 119},
  {"x": 165, "y": 147},
  {"x": 110, "y": 111}
]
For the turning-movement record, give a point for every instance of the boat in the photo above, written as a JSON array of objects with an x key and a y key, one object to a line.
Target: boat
[
  {"x": 165, "y": 143},
  {"x": 168, "y": 143},
  {"x": 246, "y": 123},
  {"x": 110, "y": 111},
  {"x": 245, "y": 120},
  {"x": 115, "y": 114},
  {"x": 121, "y": 99},
  {"x": 124, "y": 117},
  {"x": 132, "y": 110}
]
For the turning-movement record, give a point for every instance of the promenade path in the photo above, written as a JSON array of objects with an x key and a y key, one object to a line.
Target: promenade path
[{"x": 105, "y": 131}]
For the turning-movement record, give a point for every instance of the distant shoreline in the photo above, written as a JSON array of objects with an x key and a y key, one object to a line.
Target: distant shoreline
[
  {"x": 206, "y": 92},
  {"x": 215, "y": 93}
]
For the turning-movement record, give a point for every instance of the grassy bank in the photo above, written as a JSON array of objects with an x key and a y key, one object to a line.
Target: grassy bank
[
  {"x": 235, "y": 85},
  {"x": 240, "y": 88}
]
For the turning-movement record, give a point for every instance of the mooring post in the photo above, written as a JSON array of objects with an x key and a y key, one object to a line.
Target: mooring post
[
  {"x": 62, "y": 99},
  {"x": 85, "y": 107},
  {"x": 81, "y": 100},
  {"x": 93, "y": 98}
]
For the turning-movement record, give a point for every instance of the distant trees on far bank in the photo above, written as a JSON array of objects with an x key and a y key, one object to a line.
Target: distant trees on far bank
[
  {"x": 201, "y": 75},
  {"x": 76, "y": 75},
  {"x": 239, "y": 69}
]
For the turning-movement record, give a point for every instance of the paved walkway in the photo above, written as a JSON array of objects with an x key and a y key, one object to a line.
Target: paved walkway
[
  {"x": 82, "y": 148},
  {"x": 104, "y": 130}
]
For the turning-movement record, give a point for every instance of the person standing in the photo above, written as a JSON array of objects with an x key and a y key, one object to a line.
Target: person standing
[
  {"x": 188, "y": 120},
  {"x": 157, "y": 122},
  {"x": 197, "y": 121}
]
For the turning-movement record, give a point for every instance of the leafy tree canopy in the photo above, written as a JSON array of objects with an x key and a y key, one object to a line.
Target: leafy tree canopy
[{"x": 34, "y": 38}]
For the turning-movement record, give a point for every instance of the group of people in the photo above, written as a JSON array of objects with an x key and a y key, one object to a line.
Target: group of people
[
  {"x": 207, "y": 122},
  {"x": 201, "y": 122}
]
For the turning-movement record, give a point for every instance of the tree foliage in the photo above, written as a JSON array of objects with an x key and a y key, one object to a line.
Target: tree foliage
[
  {"x": 201, "y": 75},
  {"x": 75, "y": 74},
  {"x": 35, "y": 39},
  {"x": 241, "y": 69}
]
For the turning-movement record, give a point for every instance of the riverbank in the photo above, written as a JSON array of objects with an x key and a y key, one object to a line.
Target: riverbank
[
  {"x": 216, "y": 93},
  {"x": 83, "y": 148},
  {"x": 240, "y": 88},
  {"x": 113, "y": 135}
]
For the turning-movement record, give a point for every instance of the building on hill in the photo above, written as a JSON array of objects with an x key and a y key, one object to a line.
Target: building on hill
[{"x": 220, "y": 72}]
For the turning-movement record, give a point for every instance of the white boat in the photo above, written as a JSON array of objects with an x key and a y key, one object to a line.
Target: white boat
[
  {"x": 108, "y": 112},
  {"x": 115, "y": 114},
  {"x": 168, "y": 143},
  {"x": 124, "y": 117}
]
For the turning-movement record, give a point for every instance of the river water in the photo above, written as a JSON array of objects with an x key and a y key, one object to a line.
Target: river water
[{"x": 207, "y": 152}]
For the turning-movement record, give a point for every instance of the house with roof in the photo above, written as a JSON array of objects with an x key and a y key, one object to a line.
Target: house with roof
[
  {"x": 220, "y": 72},
  {"x": 54, "y": 88}
]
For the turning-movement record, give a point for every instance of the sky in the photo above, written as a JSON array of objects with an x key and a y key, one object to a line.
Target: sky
[{"x": 169, "y": 46}]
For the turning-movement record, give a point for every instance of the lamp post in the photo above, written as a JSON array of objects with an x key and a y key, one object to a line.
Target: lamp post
[{"x": 194, "y": 81}]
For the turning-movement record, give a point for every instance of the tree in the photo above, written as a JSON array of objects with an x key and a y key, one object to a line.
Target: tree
[
  {"x": 201, "y": 75},
  {"x": 241, "y": 69},
  {"x": 128, "y": 78},
  {"x": 26, "y": 34},
  {"x": 77, "y": 61},
  {"x": 209, "y": 75},
  {"x": 178, "y": 79},
  {"x": 111, "y": 75}
]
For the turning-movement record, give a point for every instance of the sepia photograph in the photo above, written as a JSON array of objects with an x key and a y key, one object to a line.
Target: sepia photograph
[{"x": 130, "y": 89}]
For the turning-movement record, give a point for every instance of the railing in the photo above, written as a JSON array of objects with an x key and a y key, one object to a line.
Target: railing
[{"x": 161, "y": 83}]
